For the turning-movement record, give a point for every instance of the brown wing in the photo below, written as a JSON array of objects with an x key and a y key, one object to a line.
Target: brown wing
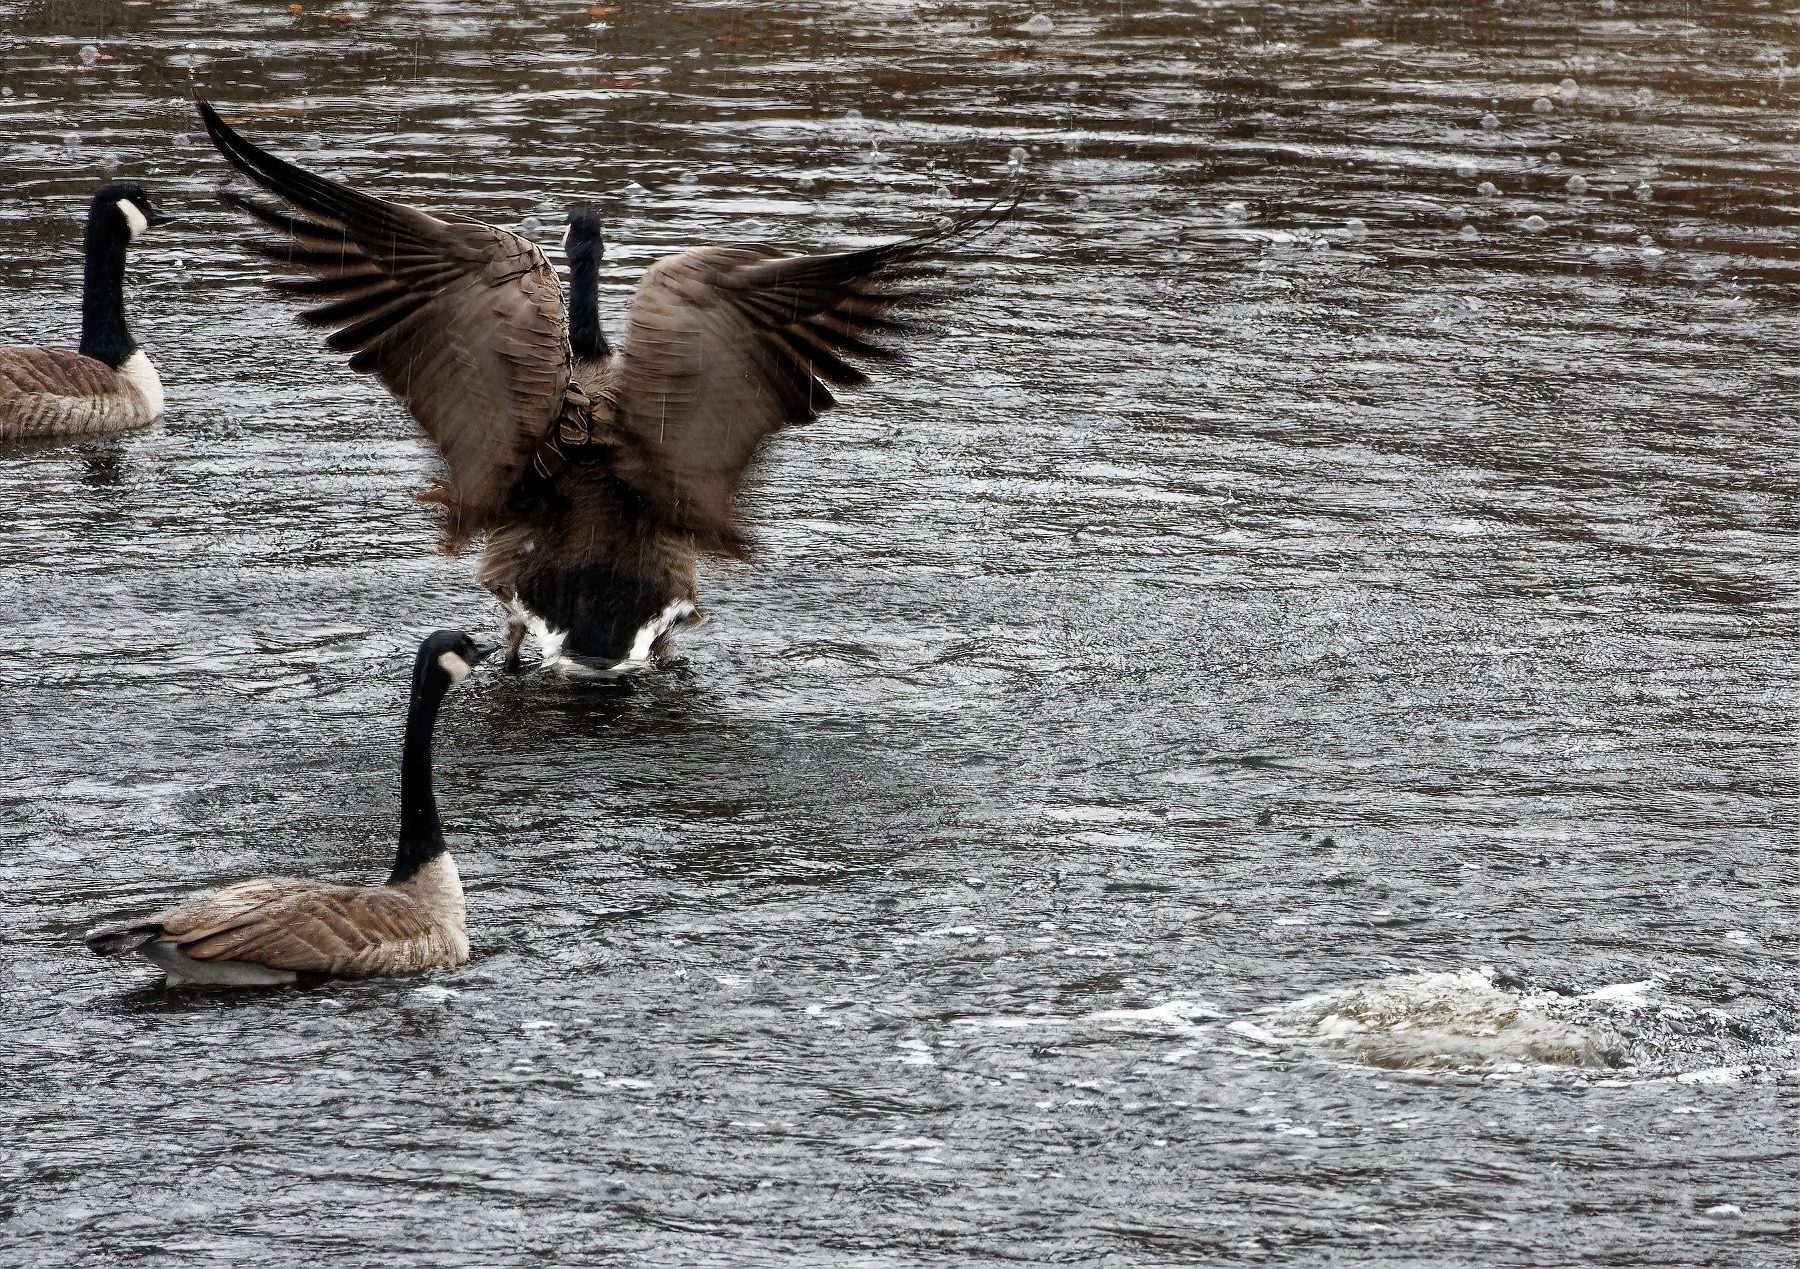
[
  {"x": 464, "y": 323},
  {"x": 302, "y": 926},
  {"x": 727, "y": 345},
  {"x": 51, "y": 371}
]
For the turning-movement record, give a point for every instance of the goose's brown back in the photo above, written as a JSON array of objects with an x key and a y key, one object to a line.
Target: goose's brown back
[
  {"x": 49, "y": 392},
  {"x": 313, "y": 928}
]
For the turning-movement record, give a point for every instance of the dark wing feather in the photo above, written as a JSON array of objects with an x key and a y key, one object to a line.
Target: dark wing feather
[
  {"x": 727, "y": 345},
  {"x": 464, "y": 323}
]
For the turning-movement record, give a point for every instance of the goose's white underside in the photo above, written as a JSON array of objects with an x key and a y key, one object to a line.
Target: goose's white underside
[
  {"x": 183, "y": 972},
  {"x": 636, "y": 661},
  {"x": 141, "y": 377}
]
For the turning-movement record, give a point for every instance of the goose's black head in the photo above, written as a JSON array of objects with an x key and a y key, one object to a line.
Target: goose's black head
[
  {"x": 124, "y": 203},
  {"x": 582, "y": 240},
  {"x": 446, "y": 657}
]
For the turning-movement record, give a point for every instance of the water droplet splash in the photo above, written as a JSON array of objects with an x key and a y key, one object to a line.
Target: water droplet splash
[
  {"x": 531, "y": 227},
  {"x": 1467, "y": 170},
  {"x": 1356, "y": 229},
  {"x": 688, "y": 178},
  {"x": 1017, "y": 156},
  {"x": 1569, "y": 89},
  {"x": 71, "y": 139},
  {"x": 1468, "y": 233},
  {"x": 1543, "y": 106},
  {"x": 1039, "y": 25},
  {"x": 89, "y": 54},
  {"x": 1535, "y": 224},
  {"x": 1577, "y": 185},
  {"x": 1486, "y": 189},
  {"x": 1489, "y": 122},
  {"x": 1643, "y": 191}
]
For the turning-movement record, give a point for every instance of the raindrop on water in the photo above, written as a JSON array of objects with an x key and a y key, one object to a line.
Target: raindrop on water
[
  {"x": 1645, "y": 240},
  {"x": 853, "y": 115},
  {"x": 1535, "y": 224},
  {"x": 1553, "y": 157},
  {"x": 634, "y": 190},
  {"x": 1577, "y": 185},
  {"x": 1468, "y": 233},
  {"x": 1644, "y": 96},
  {"x": 71, "y": 139},
  {"x": 531, "y": 226},
  {"x": 1543, "y": 106},
  {"x": 1017, "y": 155},
  {"x": 1356, "y": 229},
  {"x": 1236, "y": 211},
  {"x": 1039, "y": 25},
  {"x": 179, "y": 140},
  {"x": 1569, "y": 89},
  {"x": 314, "y": 141},
  {"x": 805, "y": 182},
  {"x": 1643, "y": 191},
  {"x": 5, "y": 92},
  {"x": 1489, "y": 122},
  {"x": 1082, "y": 200},
  {"x": 941, "y": 191},
  {"x": 688, "y": 178},
  {"x": 1467, "y": 170},
  {"x": 1486, "y": 189},
  {"x": 89, "y": 54}
]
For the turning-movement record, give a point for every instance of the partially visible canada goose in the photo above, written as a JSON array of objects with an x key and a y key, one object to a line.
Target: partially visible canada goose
[
  {"x": 270, "y": 930},
  {"x": 596, "y": 476},
  {"x": 109, "y": 385}
]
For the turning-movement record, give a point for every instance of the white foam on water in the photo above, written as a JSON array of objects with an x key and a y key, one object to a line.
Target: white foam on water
[{"x": 1459, "y": 1020}]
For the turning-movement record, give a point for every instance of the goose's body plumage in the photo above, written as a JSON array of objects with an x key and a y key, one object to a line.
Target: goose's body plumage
[
  {"x": 595, "y": 476},
  {"x": 109, "y": 385},
  {"x": 271, "y": 930}
]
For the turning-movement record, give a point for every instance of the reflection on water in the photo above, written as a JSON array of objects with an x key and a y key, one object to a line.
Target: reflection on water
[{"x": 1338, "y": 541}]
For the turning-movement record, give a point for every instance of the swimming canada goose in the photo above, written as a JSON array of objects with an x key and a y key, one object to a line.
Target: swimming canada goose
[
  {"x": 268, "y": 931},
  {"x": 595, "y": 475},
  {"x": 109, "y": 385}
]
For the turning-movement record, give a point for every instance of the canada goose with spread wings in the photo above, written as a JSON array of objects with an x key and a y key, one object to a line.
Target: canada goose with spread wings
[
  {"x": 108, "y": 385},
  {"x": 595, "y": 475},
  {"x": 273, "y": 929}
]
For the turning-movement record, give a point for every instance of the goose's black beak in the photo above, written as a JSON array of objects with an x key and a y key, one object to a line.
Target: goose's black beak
[
  {"x": 484, "y": 648},
  {"x": 160, "y": 217}
]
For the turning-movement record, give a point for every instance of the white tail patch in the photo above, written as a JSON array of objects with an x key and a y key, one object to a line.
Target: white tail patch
[
  {"x": 183, "y": 972},
  {"x": 637, "y": 660}
]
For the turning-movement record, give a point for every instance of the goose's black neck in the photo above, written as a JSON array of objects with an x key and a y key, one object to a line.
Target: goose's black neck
[
  {"x": 586, "y": 339},
  {"x": 421, "y": 835},
  {"x": 104, "y": 335}
]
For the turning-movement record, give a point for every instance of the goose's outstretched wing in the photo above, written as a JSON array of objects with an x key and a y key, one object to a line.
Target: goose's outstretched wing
[
  {"x": 729, "y": 344},
  {"x": 464, "y": 323}
]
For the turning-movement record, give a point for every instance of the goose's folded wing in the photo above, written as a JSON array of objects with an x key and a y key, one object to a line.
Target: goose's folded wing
[
  {"x": 318, "y": 929},
  {"x": 727, "y": 345},
  {"x": 53, "y": 372},
  {"x": 464, "y": 323}
]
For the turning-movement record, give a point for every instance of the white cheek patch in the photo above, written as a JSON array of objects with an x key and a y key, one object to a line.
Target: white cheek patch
[
  {"x": 565, "y": 237},
  {"x": 454, "y": 666},
  {"x": 133, "y": 217}
]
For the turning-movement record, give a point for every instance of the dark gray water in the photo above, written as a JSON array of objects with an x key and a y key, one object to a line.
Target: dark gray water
[{"x": 1264, "y": 589}]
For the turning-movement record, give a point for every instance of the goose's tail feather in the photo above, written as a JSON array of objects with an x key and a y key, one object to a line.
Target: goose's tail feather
[{"x": 116, "y": 940}]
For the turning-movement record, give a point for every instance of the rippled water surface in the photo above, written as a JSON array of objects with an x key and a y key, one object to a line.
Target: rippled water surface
[{"x": 1269, "y": 740}]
